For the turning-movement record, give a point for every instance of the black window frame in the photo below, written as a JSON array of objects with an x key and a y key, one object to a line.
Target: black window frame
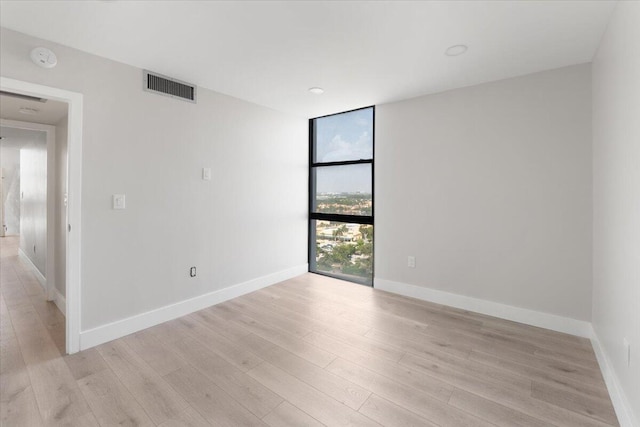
[{"x": 354, "y": 219}]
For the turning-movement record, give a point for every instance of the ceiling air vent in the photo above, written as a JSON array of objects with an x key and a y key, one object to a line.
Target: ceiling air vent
[
  {"x": 163, "y": 85},
  {"x": 20, "y": 96}
]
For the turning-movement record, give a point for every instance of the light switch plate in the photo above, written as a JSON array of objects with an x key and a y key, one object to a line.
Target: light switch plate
[
  {"x": 411, "y": 261},
  {"x": 118, "y": 201},
  {"x": 206, "y": 174}
]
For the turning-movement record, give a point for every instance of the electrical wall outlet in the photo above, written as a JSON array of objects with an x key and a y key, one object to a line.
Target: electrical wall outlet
[
  {"x": 411, "y": 261},
  {"x": 627, "y": 350}
]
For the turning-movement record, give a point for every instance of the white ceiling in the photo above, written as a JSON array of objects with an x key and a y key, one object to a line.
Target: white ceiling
[
  {"x": 49, "y": 113},
  {"x": 361, "y": 53}
]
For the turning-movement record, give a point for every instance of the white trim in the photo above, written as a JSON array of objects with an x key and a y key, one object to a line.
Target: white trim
[
  {"x": 50, "y": 262},
  {"x": 522, "y": 315},
  {"x": 74, "y": 189},
  {"x": 616, "y": 393},
  {"x": 60, "y": 302},
  {"x": 529, "y": 317},
  {"x": 33, "y": 268},
  {"x": 120, "y": 328}
]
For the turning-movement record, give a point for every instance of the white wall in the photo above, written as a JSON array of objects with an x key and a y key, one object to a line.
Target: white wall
[
  {"x": 61, "y": 209},
  {"x": 10, "y": 163},
  {"x": 489, "y": 187},
  {"x": 33, "y": 202},
  {"x": 248, "y": 222},
  {"x": 616, "y": 197}
]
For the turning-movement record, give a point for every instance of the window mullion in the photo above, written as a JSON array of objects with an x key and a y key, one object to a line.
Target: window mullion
[{"x": 342, "y": 163}]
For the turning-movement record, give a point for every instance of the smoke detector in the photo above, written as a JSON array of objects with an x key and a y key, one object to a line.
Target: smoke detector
[{"x": 43, "y": 57}]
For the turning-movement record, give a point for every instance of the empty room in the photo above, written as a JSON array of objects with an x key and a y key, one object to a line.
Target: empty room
[{"x": 320, "y": 213}]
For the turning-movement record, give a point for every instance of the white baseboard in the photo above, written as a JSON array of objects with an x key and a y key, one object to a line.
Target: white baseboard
[
  {"x": 34, "y": 270},
  {"x": 522, "y": 315},
  {"x": 529, "y": 317},
  {"x": 60, "y": 302},
  {"x": 618, "y": 398},
  {"x": 109, "y": 332}
]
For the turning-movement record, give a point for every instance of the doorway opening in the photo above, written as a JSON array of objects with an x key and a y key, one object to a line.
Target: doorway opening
[
  {"x": 48, "y": 206},
  {"x": 33, "y": 144}
]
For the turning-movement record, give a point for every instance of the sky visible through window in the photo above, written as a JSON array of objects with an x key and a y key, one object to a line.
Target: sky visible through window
[{"x": 347, "y": 136}]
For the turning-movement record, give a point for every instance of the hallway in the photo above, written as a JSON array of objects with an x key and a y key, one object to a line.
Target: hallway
[{"x": 32, "y": 340}]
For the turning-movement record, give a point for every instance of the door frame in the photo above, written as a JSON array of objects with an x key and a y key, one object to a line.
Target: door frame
[
  {"x": 50, "y": 132},
  {"x": 1, "y": 202},
  {"x": 73, "y": 286}
]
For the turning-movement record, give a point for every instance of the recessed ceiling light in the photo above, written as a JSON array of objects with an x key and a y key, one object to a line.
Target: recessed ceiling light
[
  {"x": 27, "y": 110},
  {"x": 456, "y": 50},
  {"x": 316, "y": 90}
]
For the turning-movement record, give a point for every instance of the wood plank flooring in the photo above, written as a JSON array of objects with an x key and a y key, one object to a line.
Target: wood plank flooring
[{"x": 309, "y": 351}]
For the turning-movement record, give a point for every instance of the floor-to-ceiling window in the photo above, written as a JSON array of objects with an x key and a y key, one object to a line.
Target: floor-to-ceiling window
[{"x": 341, "y": 148}]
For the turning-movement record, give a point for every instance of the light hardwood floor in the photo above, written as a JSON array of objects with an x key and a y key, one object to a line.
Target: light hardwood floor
[{"x": 310, "y": 351}]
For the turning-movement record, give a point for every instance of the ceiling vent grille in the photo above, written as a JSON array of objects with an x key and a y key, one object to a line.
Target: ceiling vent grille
[
  {"x": 163, "y": 85},
  {"x": 20, "y": 96}
]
